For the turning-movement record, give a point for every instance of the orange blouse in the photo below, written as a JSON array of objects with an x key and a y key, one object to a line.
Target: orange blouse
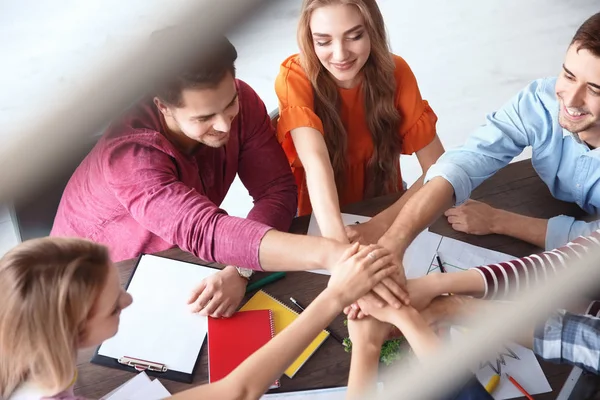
[{"x": 296, "y": 109}]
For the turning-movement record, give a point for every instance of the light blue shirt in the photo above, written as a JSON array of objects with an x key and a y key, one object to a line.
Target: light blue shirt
[{"x": 567, "y": 165}]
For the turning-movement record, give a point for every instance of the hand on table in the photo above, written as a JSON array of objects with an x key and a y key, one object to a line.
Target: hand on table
[
  {"x": 220, "y": 294},
  {"x": 472, "y": 217}
]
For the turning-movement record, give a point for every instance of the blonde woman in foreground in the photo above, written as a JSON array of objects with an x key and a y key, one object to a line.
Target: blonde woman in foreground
[{"x": 59, "y": 295}]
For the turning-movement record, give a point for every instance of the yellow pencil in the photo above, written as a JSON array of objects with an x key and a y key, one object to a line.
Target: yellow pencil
[{"x": 492, "y": 383}]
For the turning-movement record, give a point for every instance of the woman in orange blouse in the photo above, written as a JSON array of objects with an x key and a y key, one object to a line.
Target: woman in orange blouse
[{"x": 348, "y": 109}]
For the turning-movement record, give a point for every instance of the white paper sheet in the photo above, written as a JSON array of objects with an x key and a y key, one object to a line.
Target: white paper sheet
[
  {"x": 153, "y": 391},
  {"x": 347, "y": 219},
  {"x": 520, "y": 363},
  {"x": 338, "y": 393},
  {"x": 159, "y": 326},
  {"x": 320, "y": 394},
  {"x": 140, "y": 387},
  {"x": 420, "y": 260},
  {"x": 126, "y": 390}
]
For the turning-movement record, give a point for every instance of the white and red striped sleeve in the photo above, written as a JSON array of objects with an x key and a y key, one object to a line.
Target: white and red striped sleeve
[{"x": 507, "y": 278}]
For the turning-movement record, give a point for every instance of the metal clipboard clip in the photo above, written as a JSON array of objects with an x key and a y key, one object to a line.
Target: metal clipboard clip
[{"x": 142, "y": 365}]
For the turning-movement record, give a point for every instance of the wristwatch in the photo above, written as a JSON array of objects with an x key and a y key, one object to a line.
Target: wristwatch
[{"x": 245, "y": 272}]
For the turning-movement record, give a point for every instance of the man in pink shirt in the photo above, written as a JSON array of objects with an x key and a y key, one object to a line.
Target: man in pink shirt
[{"x": 157, "y": 176}]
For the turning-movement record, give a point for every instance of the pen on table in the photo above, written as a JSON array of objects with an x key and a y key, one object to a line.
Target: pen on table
[
  {"x": 265, "y": 281},
  {"x": 518, "y": 386},
  {"x": 333, "y": 335},
  {"x": 440, "y": 264}
]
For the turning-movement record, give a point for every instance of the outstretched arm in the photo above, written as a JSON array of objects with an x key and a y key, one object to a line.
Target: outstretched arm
[
  {"x": 501, "y": 280},
  {"x": 352, "y": 277}
]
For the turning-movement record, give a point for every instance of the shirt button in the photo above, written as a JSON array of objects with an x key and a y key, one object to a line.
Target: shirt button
[{"x": 578, "y": 186}]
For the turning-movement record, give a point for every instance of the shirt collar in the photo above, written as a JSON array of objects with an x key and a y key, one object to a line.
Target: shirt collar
[{"x": 575, "y": 137}]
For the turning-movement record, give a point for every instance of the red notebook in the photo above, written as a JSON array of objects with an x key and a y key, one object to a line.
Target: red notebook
[{"x": 232, "y": 340}]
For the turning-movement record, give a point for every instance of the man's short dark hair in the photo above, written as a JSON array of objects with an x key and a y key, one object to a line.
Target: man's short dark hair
[
  {"x": 205, "y": 73},
  {"x": 587, "y": 36}
]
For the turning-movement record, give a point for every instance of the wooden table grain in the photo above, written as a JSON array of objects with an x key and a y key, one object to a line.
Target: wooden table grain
[{"x": 515, "y": 188}]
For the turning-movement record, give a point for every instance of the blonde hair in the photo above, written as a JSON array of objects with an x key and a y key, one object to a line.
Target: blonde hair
[
  {"x": 47, "y": 290},
  {"x": 379, "y": 93}
]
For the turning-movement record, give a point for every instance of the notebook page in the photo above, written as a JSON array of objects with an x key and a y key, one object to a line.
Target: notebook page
[{"x": 159, "y": 326}]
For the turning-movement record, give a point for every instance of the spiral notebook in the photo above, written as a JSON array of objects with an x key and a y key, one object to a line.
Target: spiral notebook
[
  {"x": 284, "y": 316},
  {"x": 232, "y": 340}
]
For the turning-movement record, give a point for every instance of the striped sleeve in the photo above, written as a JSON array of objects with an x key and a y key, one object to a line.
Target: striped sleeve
[{"x": 507, "y": 278}]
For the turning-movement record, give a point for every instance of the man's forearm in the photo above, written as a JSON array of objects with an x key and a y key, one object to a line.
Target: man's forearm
[
  {"x": 420, "y": 211},
  {"x": 386, "y": 217},
  {"x": 528, "y": 229},
  {"x": 281, "y": 251}
]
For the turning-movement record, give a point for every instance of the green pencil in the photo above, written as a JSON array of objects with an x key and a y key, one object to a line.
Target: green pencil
[{"x": 265, "y": 281}]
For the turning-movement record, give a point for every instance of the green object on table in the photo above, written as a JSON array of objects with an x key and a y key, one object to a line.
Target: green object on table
[
  {"x": 391, "y": 351},
  {"x": 265, "y": 281}
]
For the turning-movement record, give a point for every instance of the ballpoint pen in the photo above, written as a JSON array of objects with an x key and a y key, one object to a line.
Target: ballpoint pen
[{"x": 333, "y": 335}]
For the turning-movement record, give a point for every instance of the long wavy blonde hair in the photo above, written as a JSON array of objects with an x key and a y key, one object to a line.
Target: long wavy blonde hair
[
  {"x": 379, "y": 91},
  {"x": 47, "y": 290}
]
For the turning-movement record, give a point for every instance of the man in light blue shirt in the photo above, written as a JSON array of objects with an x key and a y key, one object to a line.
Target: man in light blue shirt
[
  {"x": 559, "y": 118},
  {"x": 563, "y": 155}
]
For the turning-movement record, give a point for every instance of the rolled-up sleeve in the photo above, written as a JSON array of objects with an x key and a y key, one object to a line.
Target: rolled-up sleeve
[
  {"x": 571, "y": 339},
  {"x": 492, "y": 146},
  {"x": 562, "y": 229},
  {"x": 152, "y": 193},
  {"x": 456, "y": 176}
]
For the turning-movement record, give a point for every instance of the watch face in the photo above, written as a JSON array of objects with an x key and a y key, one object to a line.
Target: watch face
[{"x": 245, "y": 272}]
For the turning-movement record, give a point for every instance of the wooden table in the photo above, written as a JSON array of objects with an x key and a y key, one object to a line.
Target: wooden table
[{"x": 515, "y": 188}]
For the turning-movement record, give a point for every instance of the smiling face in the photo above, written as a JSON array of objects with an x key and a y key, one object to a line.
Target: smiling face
[
  {"x": 341, "y": 42},
  {"x": 578, "y": 92},
  {"x": 204, "y": 115}
]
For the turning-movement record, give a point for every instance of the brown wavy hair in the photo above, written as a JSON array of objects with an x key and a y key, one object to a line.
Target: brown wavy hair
[
  {"x": 379, "y": 91},
  {"x": 587, "y": 36},
  {"x": 48, "y": 287}
]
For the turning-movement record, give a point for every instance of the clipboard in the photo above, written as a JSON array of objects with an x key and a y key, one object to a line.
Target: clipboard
[{"x": 174, "y": 280}]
